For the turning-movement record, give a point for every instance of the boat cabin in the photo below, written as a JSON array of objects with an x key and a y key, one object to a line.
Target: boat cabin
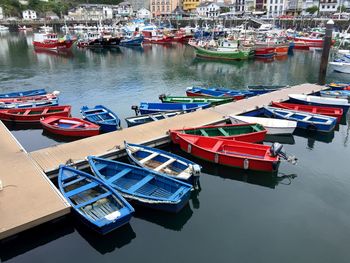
[{"x": 40, "y": 37}]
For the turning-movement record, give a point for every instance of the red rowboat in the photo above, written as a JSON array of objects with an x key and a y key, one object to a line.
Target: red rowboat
[
  {"x": 230, "y": 152},
  {"x": 70, "y": 126},
  {"x": 51, "y": 41},
  {"x": 49, "y": 96},
  {"x": 245, "y": 132},
  {"x": 328, "y": 111},
  {"x": 32, "y": 115},
  {"x": 195, "y": 94}
]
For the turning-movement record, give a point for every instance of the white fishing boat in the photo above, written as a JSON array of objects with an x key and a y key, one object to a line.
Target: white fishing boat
[
  {"x": 342, "y": 67},
  {"x": 273, "y": 126}
]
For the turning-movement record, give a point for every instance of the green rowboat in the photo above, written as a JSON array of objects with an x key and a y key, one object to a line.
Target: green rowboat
[
  {"x": 242, "y": 132},
  {"x": 179, "y": 99}
]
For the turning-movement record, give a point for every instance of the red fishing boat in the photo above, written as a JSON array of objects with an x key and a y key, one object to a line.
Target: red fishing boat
[
  {"x": 66, "y": 126},
  {"x": 328, "y": 111},
  {"x": 49, "y": 96},
  {"x": 156, "y": 37},
  {"x": 51, "y": 41},
  {"x": 182, "y": 37},
  {"x": 281, "y": 50},
  {"x": 245, "y": 132},
  {"x": 265, "y": 52},
  {"x": 230, "y": 152},
  {"x": 32, "y": 115}
]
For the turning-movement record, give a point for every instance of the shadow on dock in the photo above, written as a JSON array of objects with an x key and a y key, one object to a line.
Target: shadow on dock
[{"x": 35, "y": 237}]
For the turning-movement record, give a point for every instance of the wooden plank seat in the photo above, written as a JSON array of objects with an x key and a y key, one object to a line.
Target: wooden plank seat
[
  {"x": 163, "y": 165},
  {"x": 141, "y": 183},
  {"x": 149, "y": 157},
  {"x": 119, "y": 175}
]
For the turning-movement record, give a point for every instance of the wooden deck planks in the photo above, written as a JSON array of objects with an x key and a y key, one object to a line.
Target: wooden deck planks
[{"x": 28, "y": 198}]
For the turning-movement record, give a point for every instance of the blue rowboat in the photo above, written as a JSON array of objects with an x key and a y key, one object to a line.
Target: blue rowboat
[
  {"x": 28, "y": 93},
  {"x": 164, "y": 162},
  {"x": 133, "y": 41},
  {"x": 101, "y": 207},
  {"x": 338, "y": 94},
  {"x": 304, "y": 120},
  {"x": 320, "y": 101},
  {"x": 148, "y": 108},
  {"x": 262, "y": 89},
  {"x": 144, "y": 187},
  {"x": 102, "y": 116},
  {"x": 142, "y": 119},
  {"x": 32, "y": 104},
  {"x": 216, "y": 92}
]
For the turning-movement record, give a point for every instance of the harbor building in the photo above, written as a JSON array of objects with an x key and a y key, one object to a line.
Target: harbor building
[
  {"x": 29, "y": 15},
  {"x": 163, "y": 8},
  {"x": 143, "y": 13},
  {"x": 139, "y": 4},
  {"x": 190, "y": 5},
  {"x": 275, "y": 8}
]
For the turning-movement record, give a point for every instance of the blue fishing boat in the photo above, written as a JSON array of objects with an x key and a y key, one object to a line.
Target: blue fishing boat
[
  {"x": 144, "y": 187},
  {"x": 101, "y": 207},
  {"x": 148, "y": 108},
  {"x": 142, "y": 119},
  {"x": 102, "y": 116},
  {"x": 216, "y": 92},
  {"x": 338, "y": 94},
  {"x": 132, "y": 41},
  {"x": 31, "y": 104},
  {"x": 28, "y": 93},
  {"x": 320, "y": 101},
  {"x": 164, "y": 162},
  {"x": 304, "y": 120}
]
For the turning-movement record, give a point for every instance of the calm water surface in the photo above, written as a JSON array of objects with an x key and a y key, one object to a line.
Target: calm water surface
[{"x": 302, "y": 215}]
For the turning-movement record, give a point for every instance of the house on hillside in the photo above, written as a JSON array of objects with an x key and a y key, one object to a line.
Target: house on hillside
[
  {"x": 29, "y": 15},
  {"x": 143, "y": 13}
]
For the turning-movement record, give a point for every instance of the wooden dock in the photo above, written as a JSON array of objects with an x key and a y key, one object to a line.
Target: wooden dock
[
  {"x": 154, "y": 133},
  {"x": 27, "y": 198}
]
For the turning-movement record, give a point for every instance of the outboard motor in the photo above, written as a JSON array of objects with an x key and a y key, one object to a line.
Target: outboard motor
[
  {"x": 136, "y": 109},
  {"x": 161, "y": 96},
  {"x": 196, "y": 169},
  {"x": 277, "y": 150}
]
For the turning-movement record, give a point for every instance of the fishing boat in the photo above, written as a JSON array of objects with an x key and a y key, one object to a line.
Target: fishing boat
[
  {"x": 148, "y": 108},
  {"x": 216, "y": 92},
  {"x": 338, "y": 94},
  {"x": 66, "y": 126},
  {"x": 339, "y": 86},
  {"x": 28, "y": 93},
  {"x": 273, "y": 126},
  {"x": 179, "y": 99},
  {"x": 142, "y": 119},
  {"x": 320, "y": 101},
  {"x": 233, "y": 153},
  {"x": 163, "y": 162},
  {"x": 50, "y": 96},
  {"x": 342, "y": 67},
  {"x": 132, "y": 41},
  {"x": 29, "y": 104},
  {"x": 264, "y": 52},
  {"x": 241, "y": 132},
  {"x": 101, "y": 207},
  {"x": 328, "y": 111},
  {"x": 304, "y": 120},
  {"x": 225, "y": 50},
  {"x": 33, "y": 115},
  {"x": 142, "y": 186},
  {"x": 102, "y": 116},
  {"x": 281, "y": 50},
  {"x": 51, "y": 41}
]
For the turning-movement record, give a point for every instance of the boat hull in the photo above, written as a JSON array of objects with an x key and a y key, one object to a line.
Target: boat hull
[
  {"x": 234, "y": 55},
  {"x": 54, "y": 45},
  {"x": 320, "y": 102}
]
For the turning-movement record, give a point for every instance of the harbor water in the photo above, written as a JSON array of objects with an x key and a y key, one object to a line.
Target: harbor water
[{"x": 300, "y": 215}]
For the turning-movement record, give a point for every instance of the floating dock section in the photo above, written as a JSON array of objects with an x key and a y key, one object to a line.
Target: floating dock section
[
  {"x": 27, "y": 196},
  {"x": 155, "y": 133}
]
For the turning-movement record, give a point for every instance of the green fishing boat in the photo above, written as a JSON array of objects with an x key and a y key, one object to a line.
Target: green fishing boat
[
  {"x": 181, "y": 99},
  {"x": 225, "y": 49},
  {"x": 247, "y": 132}
]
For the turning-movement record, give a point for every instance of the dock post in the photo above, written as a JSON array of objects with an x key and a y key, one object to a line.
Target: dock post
[{"x": 325, "y": 52}]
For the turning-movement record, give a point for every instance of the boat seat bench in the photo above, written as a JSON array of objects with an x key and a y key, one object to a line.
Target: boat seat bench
[
  {"x": 93, "y": 200},
  {"x": 223, "y": 132},
  {"x": 81, "y": 189},
  {"x": 141, "y": 183},
  {"x": 119, "y": 175},
  {"x": 217, "y": 146},
  {"x": 149, "y": 157},
  {"x": 163, "y": 165}
]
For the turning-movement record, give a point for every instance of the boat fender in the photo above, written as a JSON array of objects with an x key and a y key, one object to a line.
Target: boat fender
[
  {"x": 56, "y": 93},
  {"x": 216, "y": 158},
  {"x": 246, "y": 164},
  {"x": 189, "y": 148}
]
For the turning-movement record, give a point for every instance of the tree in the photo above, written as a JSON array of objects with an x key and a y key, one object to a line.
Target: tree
[
  {"x": 312, "y": 9},
  {"x": 342, "y": 8}
]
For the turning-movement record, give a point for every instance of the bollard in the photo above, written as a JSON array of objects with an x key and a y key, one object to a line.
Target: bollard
[{"x": 325, "y": 53}]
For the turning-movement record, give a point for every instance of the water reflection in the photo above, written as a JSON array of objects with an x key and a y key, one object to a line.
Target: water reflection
[
  {"x": 313, "y": 136},
  {"x": 35, "y": 237},
  {"x": 167, "y": 220},
  {"x": 106, "y": 243},
  {"x": 56, "y": 53},
  {"x": 283, "y": 138}
]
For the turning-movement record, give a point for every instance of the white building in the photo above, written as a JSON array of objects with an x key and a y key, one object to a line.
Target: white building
[
  {"x": 91, "y": 12},
  {"x": 329, "y": 6},
  {"x": 208, "y": 10},
  {"x": 123, "y": 9},
  {"x": 275, "y": 8},
  {"x": 29, "y": 15},
  {"x": 139, "y": 4},
  {"x": 1, "y": 13},
  {"x": 143, "y": 13}
]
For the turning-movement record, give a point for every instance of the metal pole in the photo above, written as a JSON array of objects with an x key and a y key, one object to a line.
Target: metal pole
[{"x": 325, "y": 52}]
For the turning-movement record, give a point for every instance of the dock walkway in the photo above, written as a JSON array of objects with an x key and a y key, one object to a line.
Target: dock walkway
[
  {"x": 27, "y": 198},
  {"x": 155, "y": 132}
]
